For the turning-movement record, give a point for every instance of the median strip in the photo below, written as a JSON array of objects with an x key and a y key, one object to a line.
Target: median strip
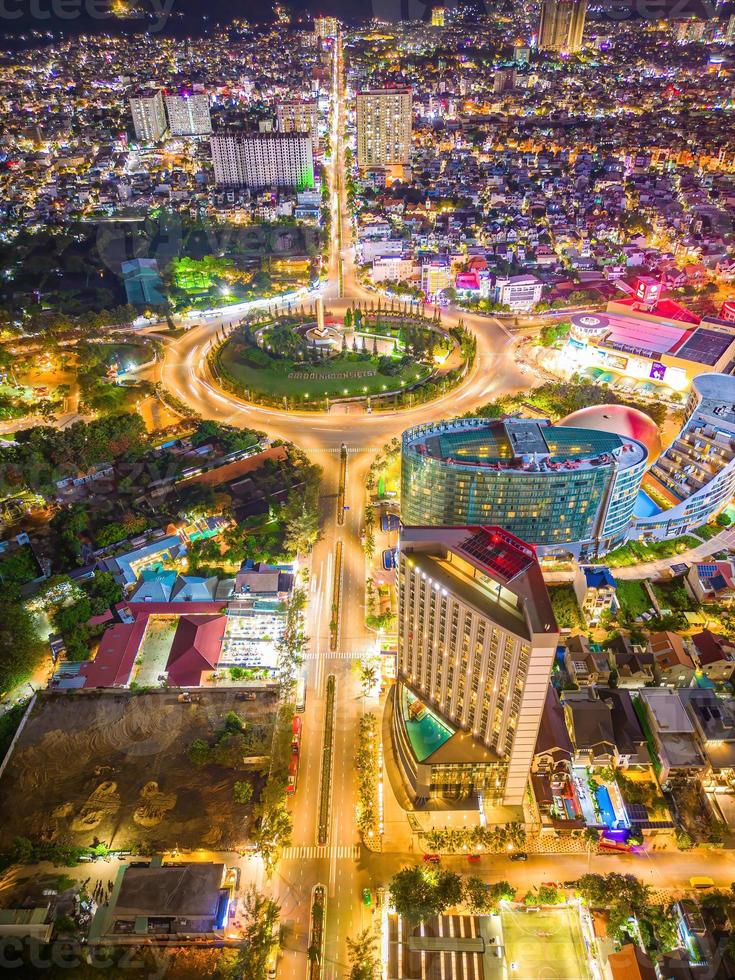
[
  {"x": 336, "y": 596},
  {"x": 325, "y": 791}
]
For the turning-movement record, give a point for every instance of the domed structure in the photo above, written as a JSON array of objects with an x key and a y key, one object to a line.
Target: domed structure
[{"x": 628, "y": 423}]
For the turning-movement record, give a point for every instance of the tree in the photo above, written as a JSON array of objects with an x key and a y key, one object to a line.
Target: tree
[
  {"x": 259, "y": 936},
  {"x": 419, "y": 892},
  {"x": 477, "y": 895},
  {"x": 369, "y": 675},
  {"x": 21, "y": 648},
  {"x": 242, "y": 792},
  {"x": 198, "y": 753},
  {"x": 363, "y": 957}
]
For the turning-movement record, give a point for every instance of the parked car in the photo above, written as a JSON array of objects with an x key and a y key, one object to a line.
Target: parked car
[
  {"x": 519, "y": 856},
  {"x": 434, "y": 858},
  {"x": 389, "y": 559},
  {"x": 366, "y": 896},
  {"x": 473, "y": 858},
  {"x": 390, "y": 522}
]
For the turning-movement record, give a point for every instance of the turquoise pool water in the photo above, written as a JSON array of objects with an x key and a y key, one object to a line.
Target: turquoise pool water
[
  {"x": 644, "y": 506},
  {"x": 210, "y": 532},
  {"x": 427, "y": 733},
  {"x": 604, "y": 802}
]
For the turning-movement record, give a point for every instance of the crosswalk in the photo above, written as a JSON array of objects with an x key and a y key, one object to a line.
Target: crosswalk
[
  {"x": 338, "y": 655},
  {"x": 337, "y": 450},
  {"x": 309, "y": 851}
]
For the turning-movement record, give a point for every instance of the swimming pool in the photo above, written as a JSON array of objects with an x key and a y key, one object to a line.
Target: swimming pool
[
  {"x": 426, "y": 731},
  {"x": 607, "y": 813},
  {"x": 645, "y": 506}
]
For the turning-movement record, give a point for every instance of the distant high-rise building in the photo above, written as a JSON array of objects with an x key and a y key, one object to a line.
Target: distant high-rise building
[
  {"x": 437, "y": 16},
  {"x": 260, "y": 160},
  {"x": 188, "y": 113},
  {"x": 504, "y": 80},
  {"x": 561, "y": 26},
  {"x": 689, "y": 29},
  {"x": 299, "y": 117},
  {"x": 384, "y": 120},
  {"x": 149, "y": 116},
  {"x": 326, "y": 27},
  {"x": 476, "y": 643}
]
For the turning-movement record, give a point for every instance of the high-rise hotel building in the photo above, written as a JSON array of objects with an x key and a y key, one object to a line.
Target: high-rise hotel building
[
  {"x": 561, "y": 26},
  {"x": 476, "y": 644},
  {"x": 384, "y": 121},
  {"x": 261, "y": 160}
]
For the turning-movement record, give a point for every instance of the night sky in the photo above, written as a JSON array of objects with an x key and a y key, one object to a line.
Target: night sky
[{"x": 196, "y": 17}]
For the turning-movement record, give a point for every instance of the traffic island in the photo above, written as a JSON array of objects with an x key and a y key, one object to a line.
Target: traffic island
[
  {"x": 383, "y": 359},
  {"x": 325, "y": 790},
  {"x": 316, "y": 931}
]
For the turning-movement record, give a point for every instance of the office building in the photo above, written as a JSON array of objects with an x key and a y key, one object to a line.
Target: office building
[
  {"x": 261, "y": 160},
  {"x": 326, "y": 27},
  {"x": 384, "y": 118},
  {"x": 476, "y": 644},
  {"x": 188, "y": 113},
  {"x": 569, "y": 491},
  {"x": 561, "y": 26},
  {"x": 149, "y": 116},
  {"x": 299, "y": 117},
  {"x": 437, "y": 16}
]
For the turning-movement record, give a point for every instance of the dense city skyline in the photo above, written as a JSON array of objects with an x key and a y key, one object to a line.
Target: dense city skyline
[{"x": 367, "y": 494}]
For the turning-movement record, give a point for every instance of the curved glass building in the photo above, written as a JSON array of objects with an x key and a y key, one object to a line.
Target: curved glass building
[{"x": 566, "y": 490}]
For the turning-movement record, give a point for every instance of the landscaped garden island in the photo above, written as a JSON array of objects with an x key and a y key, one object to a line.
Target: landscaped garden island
[{"x": 306, "y": 360}]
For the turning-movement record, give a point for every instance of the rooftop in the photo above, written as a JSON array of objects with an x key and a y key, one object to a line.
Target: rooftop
[
  {"x": 495, "y": 558},
  {"x": 523, "y": 444}
]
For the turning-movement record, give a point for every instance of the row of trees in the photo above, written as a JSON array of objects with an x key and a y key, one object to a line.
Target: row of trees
[
  {"x": 366, "y": 767},
  {"x": 498, "y": 838},
  {"x": 419, "y": 892}
]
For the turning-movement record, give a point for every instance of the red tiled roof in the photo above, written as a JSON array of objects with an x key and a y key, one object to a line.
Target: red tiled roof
[
  {"x": 196, "y": 647},
  {"x": 116, "y": 655}
]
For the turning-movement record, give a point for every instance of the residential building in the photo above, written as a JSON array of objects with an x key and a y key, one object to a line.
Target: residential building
[
  {"x": 585, "y": 662},
  {"x": 325, "y": 27},
  {"x": 393, "y": 268},
  {"x": 671, "y": 659},
  {"x": 715, "y": 655},
  {"x": 712, "y": 581},
  {"x": 596, "y": 592},
  {"x": 476, "y": 643},
  {"x": 436, "y": 276},
  {"x": 589, "y": 723},
  {"x": 632, "y": 663},
  {"x": 714, "y": 723},
  {"x": 569, "y": 491},
  {"x": 678, "y": 752},
  {"x": 188, "y": 113},
  {"x": 142, "y": 280},
  {"x": 561, "y": 26},
  {"x": 299, "y": 117},
  {"x": 262, "y": 160},
  {"x": 630, "y": 740},
  {"x": 630, "y": 963},
  {"x": 384, "y": 122},
  {"x": 519, "y": 293},
  {"x": 551, "y": 769},
  {"x": 149, "y": 115}
]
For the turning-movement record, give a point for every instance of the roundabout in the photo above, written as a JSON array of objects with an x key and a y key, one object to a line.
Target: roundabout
[{"x": 377, "y": 359}]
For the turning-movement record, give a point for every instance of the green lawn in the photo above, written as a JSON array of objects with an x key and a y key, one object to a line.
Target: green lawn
[
  {"x": 354, "y": 376},
  {"x": 637, "y": 551},
  {"x": 633, "y": 597}
]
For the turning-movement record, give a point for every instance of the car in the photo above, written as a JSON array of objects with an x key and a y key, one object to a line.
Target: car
[
  {"x": 389, "y": 559},
  {"x": 366, "y": 897},
  {"x": 390, "y": 522},
  {"x": 434, "y": 858},
  {"x": 701, "y": 881},
  {"x": 519, "y": 856},
  {"x": 272, "y": 964},
  {"x": 473, "y": 858}
]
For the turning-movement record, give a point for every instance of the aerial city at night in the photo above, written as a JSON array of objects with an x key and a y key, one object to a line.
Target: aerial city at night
[{"x": 367, "y": 490}]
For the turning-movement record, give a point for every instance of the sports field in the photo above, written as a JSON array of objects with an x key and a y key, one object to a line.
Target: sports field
[{"x": 546, "y": 945}]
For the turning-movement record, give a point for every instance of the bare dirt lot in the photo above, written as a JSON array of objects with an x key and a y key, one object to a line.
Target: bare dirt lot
[{"x": 113, "y": 767}]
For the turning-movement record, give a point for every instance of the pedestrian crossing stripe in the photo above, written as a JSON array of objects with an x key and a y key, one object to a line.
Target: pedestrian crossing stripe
[
  {"x": 350, "y": 449},
  {"x": 339, "y": 655},
  {"x": 312, "y": 851}
]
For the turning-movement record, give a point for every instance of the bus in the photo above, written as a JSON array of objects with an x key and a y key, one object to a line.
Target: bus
[
  {"x": 293, "y": 766},
  {"x": 300, "y": 693},
  {"x": 296, "y": 735}
]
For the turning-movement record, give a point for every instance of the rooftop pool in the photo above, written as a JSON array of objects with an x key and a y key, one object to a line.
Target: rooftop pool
[
  {"x": 426, "y": 731},
  {"x": 645, "y": 506}
]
